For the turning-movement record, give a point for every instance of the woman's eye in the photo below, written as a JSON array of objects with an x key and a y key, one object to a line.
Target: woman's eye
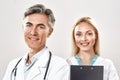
[
  {"x": 78, "y": 34},
  {"x": 89, "y": 33}
]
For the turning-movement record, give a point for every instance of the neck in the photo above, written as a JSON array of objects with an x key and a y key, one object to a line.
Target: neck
[
  {"x": 86, "y": 56},
  {"x": 32, "y": 52}
]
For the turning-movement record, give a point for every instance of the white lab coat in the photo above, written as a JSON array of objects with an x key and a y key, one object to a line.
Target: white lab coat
[
  {"x": 110, "y": 72},
  {"x": 58, "y": 69}
]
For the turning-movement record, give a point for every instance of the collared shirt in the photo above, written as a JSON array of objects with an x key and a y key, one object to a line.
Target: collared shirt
[
  {"x": 91, "y": 62},
  {"x": 27, "y": 66}
]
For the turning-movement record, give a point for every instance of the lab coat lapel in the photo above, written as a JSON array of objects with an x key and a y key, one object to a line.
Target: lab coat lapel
[
  {"x": 99, "y": 61},
  {"x": 39, "y": 67}
]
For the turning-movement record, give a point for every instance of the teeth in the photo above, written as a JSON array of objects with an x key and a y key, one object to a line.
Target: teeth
[
  {"x": 84, "y": 44},
  {"x": 33, "y": 39}
]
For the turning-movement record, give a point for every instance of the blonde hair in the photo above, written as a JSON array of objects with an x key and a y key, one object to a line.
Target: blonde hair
[{"x": 90, "y": 21}]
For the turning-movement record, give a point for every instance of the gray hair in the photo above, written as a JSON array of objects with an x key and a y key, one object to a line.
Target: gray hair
[{"x": 39, "y": 8}]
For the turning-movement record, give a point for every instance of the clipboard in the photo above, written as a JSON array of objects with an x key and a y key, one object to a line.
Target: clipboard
[{"x": 86, "y": 72}]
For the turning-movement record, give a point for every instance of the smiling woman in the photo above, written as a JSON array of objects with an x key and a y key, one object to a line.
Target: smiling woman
[
  {"x": 85, "y": 31},
  {"x": 85, "y": 36},
  {"x": 86, "y": 48}
]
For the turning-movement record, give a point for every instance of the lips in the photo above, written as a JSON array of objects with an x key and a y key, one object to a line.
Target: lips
[
  {"x": 34, "y": 38},
  {"x": 85, "y": 44}
]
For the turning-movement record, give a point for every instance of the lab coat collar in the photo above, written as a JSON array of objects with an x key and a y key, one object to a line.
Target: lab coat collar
[
  {"x": 38, "y": 69},
  {"x": 40, "y": 66},
  {"x": 99, "y": 60}
]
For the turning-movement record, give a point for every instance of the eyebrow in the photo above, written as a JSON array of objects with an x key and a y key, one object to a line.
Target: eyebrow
[
  {"x": 86, "y": 31},
  {"x": 90, "y": 31},
  {"x": 28, "y": 23},
  {"x": 37, "y": 24},
  {"x": 40, "y": 24}
]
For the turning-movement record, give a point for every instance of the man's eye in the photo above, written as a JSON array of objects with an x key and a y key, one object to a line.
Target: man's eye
[
  {"x": 28, "y": 25},
  {"x": 41, "y": 26}
]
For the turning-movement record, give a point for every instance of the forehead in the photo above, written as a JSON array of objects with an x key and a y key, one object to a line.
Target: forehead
[
  {"x": 36, "y": 18},
  {"x": 84, "y": 26}
]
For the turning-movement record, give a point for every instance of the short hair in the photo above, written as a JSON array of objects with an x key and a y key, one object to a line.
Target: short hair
[
  {"x": 39, "y": 8},
  {"x": 90, "y": 21}
]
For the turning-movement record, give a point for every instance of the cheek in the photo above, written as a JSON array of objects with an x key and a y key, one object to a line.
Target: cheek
[
  {"x": 26, "y": 30},
  {"x": 77, "y": 41},
  {"x": 48, "y": 33},
  {"x": 93, "y": 41},
  {"x": 42, "y": 35},
  {"x": 26, "y": 33}
]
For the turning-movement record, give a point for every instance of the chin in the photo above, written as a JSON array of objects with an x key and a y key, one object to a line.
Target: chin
[
  {"x": 85, "y": 49},
  {"x": 32, "y": 46}
]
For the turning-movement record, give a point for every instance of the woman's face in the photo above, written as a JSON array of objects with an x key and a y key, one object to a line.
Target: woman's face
[{"x": 85, "y": 36}]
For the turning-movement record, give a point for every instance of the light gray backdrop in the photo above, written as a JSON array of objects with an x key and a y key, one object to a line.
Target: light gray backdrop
[{"x": 105, "y": 12}]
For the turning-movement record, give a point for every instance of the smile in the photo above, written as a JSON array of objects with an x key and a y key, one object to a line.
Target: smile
[
  {"x": 85, "y": 44},
  {"x": 33, "y": 38}
]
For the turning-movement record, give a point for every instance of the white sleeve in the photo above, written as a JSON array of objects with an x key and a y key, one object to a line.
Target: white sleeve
[{"x": 112, "y": 72}]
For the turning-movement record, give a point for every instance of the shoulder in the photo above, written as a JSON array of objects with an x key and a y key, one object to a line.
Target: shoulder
[
  {"x": 59, "y": 69},
  {"x": 109, "y": 68},
  {"x": 58, "y": 60},
  {"x": 12, "y": 64},
  {"x": 72, "y": 61},
  {"x": 59, "y": 64},
  {"x": 14, "y": 61},
  {"x": 105, "y": 62}
]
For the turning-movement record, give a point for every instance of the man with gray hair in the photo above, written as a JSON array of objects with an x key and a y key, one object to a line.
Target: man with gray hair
[{"x": 38, "y": 63}]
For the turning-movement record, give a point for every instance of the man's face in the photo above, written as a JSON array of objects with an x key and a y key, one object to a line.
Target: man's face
[{"x": 36, "y": 31}]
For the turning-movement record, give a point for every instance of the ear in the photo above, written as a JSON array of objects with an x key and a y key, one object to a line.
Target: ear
[{"x": 50, "y": 32}]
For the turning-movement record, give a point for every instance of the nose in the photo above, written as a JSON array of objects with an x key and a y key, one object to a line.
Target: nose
[
  {"x": 83, "y": 37},
  {"x": 34, "y": 31}
]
